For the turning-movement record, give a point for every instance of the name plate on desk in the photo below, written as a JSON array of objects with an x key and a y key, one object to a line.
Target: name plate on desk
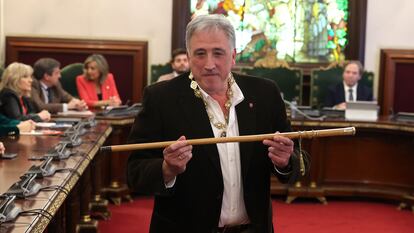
[{"x": 361, "y": 111}]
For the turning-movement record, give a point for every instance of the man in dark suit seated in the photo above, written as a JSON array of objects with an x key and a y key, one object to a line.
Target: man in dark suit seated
[
  {"x": 47, "y": 92},
  {"x": 349, "y": 89}
]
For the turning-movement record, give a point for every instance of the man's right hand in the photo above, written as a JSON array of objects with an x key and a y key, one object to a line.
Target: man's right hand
[
  {"x": 26, "y": 126},
  {"x": 176, "y": 157},
  {"x": 341, "y": 106}
]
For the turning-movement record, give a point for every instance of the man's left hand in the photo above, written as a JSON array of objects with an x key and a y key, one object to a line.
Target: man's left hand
[
  {"x": 77, "y": 104},
  {"x": 280, "y": 149}
]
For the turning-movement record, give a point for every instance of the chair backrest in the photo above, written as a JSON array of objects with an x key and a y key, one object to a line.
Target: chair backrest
[
  {"x": 68, "y": 79},
  {"x": 323, "y": 78},
  {"x": 158, "y": 70},
  {"x": 289, "y": 80}
]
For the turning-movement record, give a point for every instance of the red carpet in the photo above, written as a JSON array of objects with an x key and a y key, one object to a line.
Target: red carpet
[{"x": 337, "y": 217}]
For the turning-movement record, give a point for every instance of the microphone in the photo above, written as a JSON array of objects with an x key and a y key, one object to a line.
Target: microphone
[
  {"x": 60, "y": 152},
  {"x": 73, "y": 140},
  {"x": 294, "y": 108},
  {"x": 25, "y": 187},
  {"x": 78, "y": 129},
  {"x": 44, "y": 169},
  {"x": 8, "y": 210}
]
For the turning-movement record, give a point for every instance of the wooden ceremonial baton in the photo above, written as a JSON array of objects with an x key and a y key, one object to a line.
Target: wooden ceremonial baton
[{"x": 245, "y": 138}]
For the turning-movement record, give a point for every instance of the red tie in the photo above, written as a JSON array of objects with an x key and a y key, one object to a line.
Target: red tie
[{"x": 23, "y": 106}]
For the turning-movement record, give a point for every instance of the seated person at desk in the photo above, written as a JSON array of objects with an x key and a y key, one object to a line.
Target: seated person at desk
[
  {"x": 10, "y": 127},
  {"x": 349, "y": 89},
  {"x": 97, "y": 86},
  {"x": 179, "y": 64},
  {"x": 15, "y": 89},
  {"x": 2, "y": 148},
  {"x": 47, "y": 92}
]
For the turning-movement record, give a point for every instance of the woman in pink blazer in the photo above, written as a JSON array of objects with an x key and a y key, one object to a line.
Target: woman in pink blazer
[{"x": 96, "y": 86}]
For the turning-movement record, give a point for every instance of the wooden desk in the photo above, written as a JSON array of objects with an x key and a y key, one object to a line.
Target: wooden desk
[
  {"x": 114, "y": 164},
  {"x": 377, "y": 162},
  {"x": 67, "y": 210}
]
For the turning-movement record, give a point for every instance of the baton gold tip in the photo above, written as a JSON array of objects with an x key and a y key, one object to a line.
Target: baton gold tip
[{"x": 350, "y": 130}]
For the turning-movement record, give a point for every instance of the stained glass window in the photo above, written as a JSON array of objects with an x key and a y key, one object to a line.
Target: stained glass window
[{"x": 310, "y": 31}]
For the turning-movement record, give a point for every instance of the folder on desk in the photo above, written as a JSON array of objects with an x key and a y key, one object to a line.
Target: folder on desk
[
  {"x": 85, "y": 113},
  {"x": 123, "y": 110},
  {"x": 362, "y": 111}
]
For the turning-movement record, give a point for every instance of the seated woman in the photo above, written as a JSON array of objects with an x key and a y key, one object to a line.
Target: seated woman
[
  {"x": 2, "y": 148},
  {"x": 15, "y": 88},
  {"x": 14, "y": 127},
  {"x": 97, "y": 86}
]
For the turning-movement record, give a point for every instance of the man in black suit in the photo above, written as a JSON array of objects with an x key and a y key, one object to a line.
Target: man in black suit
[
  {"x": 212, "y": 188},
  {"x": 349, "y": 89}
]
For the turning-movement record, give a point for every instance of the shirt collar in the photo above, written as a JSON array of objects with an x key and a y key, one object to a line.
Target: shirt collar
[
  {"x": 354, "y": 88},
  {"x": 44, "y": 86},
  {"x": 237, "y": 94}
]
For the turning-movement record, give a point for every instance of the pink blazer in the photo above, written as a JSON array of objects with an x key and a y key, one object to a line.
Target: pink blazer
[{"x": 87, "y": 91}]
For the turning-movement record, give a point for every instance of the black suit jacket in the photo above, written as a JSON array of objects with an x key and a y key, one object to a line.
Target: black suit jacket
[
  {"x": 59, "y": 96},
  {"x": 170, "y": 109},
  {"x": 336, "y": 94},
  {"x": 11, "y": 107}
]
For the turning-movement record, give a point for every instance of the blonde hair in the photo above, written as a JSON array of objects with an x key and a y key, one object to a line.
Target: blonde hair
[
  {"x": 101, "y": 64},
  {"x": 12, "y": 76}
]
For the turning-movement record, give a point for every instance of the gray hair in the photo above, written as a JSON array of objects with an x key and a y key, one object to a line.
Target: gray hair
[
  {"x": 101, "y": 64},
  {"x": 210, "y": 23}
]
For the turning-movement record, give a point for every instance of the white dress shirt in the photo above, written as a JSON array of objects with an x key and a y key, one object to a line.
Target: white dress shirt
[
  {"x": 233, "y": 210},
  {"x": 46, "y": 96}
]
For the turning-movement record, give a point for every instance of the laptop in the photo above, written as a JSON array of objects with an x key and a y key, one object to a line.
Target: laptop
[{"x": 362, "y": 111}]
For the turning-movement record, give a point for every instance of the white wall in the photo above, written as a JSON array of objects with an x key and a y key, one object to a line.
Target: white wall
[
  {"x": 388, "y": 23},
  {"x": 99, "y": 19},
  {"x": 2, "y": 43}
]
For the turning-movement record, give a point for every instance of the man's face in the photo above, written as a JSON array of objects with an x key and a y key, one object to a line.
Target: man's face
[
  {"x": 211, "y": 59},
  {"x": 180, "y": 63},
  {"x": 351, "y": 75},
  {"x": 53, "y": 79}
]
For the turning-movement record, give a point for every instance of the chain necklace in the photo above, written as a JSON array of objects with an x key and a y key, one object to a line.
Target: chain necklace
[{"x": 219, "y": 125}]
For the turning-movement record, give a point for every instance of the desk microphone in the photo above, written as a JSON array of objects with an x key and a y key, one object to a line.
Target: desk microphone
[
  {"x": 8, "y": 210},
  {"x": 78, "y": 128},
  {"x": 90, "y": 122},
  {"x": 25, "y": 187},
  {"x": 46, "y": 168},
  {"x": 60, "y": 152},
  {"x": 73, "y": 140},
  {"x": 294, "y": 108}
]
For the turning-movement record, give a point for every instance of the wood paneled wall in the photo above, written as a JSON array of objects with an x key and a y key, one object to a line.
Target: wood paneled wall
[
  {"x": 128, "y": 60},
  {"x": 396, "y": 81}
]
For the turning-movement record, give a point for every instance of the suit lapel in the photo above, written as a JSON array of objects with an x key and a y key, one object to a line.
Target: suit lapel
[
  {"x": 39, "y": 89},
  {"x": 341, "y": 93},
  {"x": 197, "y": 119},
  {"x": 246, "y": 117},
  {"x": 361, "y": 95}
]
